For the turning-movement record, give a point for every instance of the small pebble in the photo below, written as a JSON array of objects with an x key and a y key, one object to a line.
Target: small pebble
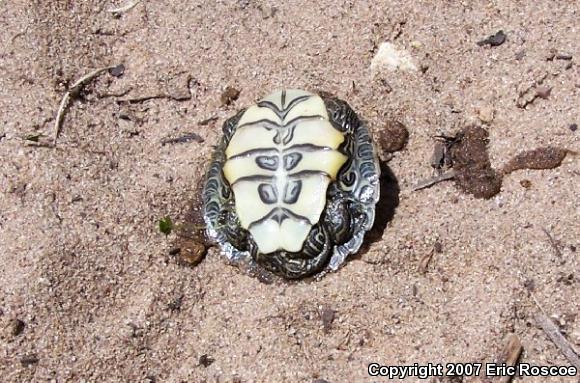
[
  {"x": 530, "y": 284},
  {"x": 576, "y": 335},
  {"x": 526, "y": 184},
  {"x": 205, "y": 360},
  {"x": 117, "y": 71},
  {"x": 17, "y": 327},
  {"x": 543, "y": 92},
  {"x": 192, "y": 250},
  {"x": 175, "y": 304},
  {"x": 438, "y": 247},
  {"x": 573, "y": 127},
  {"x": 327, "y": 316},
  {"x": 28, "y": 360},
  {"x": 486, "y": 114},
  {"x": 564, "y": 56},
  {"x": 390, "y": 58},
  {"x": 494, "y": 40}
]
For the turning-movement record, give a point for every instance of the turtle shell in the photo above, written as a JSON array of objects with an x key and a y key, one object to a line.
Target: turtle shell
[{"x": 293, "y": 184}]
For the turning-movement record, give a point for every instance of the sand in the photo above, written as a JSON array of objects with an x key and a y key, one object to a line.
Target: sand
[{"x": 88, "y": 289}]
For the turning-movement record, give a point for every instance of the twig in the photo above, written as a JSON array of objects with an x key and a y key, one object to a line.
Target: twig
[
  {"x": 67, "y": 97},
  {"x": 207, "y": 121},
  {"x": 182, "y": 139},
  {"x": 553, "y": 242},
  {"x": 510, "y": 355},
  {"x": 555, "y": 335},
  {"x": 139, "y": 99},
  {"x": 424, "y": 262},
  {"x": 450, "y": 174},
  {"x": 119, "y": 94},
  {"x": 125, "y": 8}
]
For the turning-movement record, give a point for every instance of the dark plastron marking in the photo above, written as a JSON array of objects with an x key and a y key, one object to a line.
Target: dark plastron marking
[
  {"x": 268, "y": 193},
  {"x": 251, "y": 152},
  {"x": 262, "y": 123},
  {"x": 292, "y": 191},
  {"x": 268, "y": 162},
  {"x": 306, "y": 148},
  {"x": 291, "y": 160},
  {"x": 269, "y": 178},
  {"x": 285, "y": 133},
  {"x": 289, "y": 135},
  {"x": 278, "y": 215},
  {"x": 281, "y": 113}
]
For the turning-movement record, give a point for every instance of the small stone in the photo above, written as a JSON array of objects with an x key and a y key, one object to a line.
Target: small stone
[
  {"x": 530, "y": 284},
  {"x": 16, "y": 327},
  {"x": 205, "y": 360},
  {"x": 573, "y": 127},
  {"x": 229, "y": 95},
  {"x": 29, "y": 360},
  {"x": 327, "y": 315},
  {"x": 564, "y": 56},
  {"x": 175, "y": 304},
  {"x": 486, "y": 114},
  {"x": 576, "y": 335},
  {"x": 390, "y": 58},
  {"x": 526, "y": 184},
  {"x": 438, "y": 247},
  {"x": 416, "y": 44},
  {"x": 192, "y": 250},
  {"x": 117, "y": 71},
  {"x": 494, "y": 40},
  {"x": 543, "y": 91}
]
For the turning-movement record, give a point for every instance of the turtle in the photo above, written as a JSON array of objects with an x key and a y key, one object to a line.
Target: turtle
[{"x": 292, "y": 185}]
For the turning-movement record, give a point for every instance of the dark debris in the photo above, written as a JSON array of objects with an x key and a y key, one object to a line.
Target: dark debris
[
  {"x": 493, "y": 40},
  {"x": 29, "y": 360},
  {"x": 327, "y": 315},
  {"x": 191, "y": 243},
  {"x": 474, "y": 174},
  {"x": 541, "y": 158},
  {"x": 394, "y": 136},
  {"x": 17, "y": 327},
  {"x": 229, "y": 95},
  {"x": 183, "y": 139},
  {"x": 205, "y": 360},
  {"x": 117, "y": 71}
]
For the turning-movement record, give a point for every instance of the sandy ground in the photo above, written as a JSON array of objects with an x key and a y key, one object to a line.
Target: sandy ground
[{"x": 88, "y": 289}]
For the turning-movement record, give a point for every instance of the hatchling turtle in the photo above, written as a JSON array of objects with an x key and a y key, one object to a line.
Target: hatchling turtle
[{"x": 292, "y": 185}]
